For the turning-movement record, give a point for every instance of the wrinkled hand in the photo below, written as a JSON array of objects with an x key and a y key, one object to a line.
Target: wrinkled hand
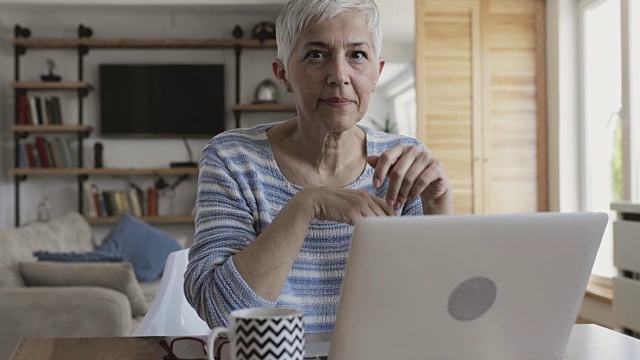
[
  {"x": 412, "y": 172},
  {"x": 344, "y": 205}
]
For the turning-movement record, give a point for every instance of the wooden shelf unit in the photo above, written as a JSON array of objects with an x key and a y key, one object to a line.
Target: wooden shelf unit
[
  {"x": 148, "y": 219},
  {"x": 83, "y": 44},
  {"x": 133, "y": 43},
  {"x": 56, "y": 129},
  {"x": 53, "y": 85},
  {"x": 103, "y": 172}
]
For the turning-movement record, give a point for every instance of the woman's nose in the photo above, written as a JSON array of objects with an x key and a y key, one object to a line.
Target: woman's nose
[{"x": 338, "y": 73}]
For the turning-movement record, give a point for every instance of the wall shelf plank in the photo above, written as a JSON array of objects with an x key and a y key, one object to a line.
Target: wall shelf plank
[
  {"x": 104, "y": 171},
  {"x": 53, "y": 85},
  {"x": 59, "y": 129},
  {"x": 142, "y": 43}
]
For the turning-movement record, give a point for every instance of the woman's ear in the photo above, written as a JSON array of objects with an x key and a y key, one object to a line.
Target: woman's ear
[
  {"x": 382, "y": 63},
  {"x": 279, "y": 72}
]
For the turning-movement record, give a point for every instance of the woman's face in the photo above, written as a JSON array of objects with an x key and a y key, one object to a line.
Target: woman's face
[{"x": 332, "y": 72}]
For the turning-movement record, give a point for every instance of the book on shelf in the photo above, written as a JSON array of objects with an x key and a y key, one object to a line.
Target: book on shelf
[
  {"x": 56, "y": 110},
  {"x": 65, "y": 150},
  {"x": 36, "y": 110},
  {"x": 152, "y": 201},
  {"x": 39, "y": 115},
  {"x": 23, "y": 161},
  {"x": 33, "y": 114},
  {"x": 90, "y": 205},
  {"x": 112, "y": 202},
  {"x": 136, "y": 202},
  {"x": 41, "y": 146},
  {"x": 46, "y": 152},
  {"x": 23, "y": 110},
  {"x": 52, "y": 105}
]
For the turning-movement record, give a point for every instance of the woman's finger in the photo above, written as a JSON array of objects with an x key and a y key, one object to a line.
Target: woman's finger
[
  {"x": 384, "y": 162},
  {"x": 398, "y": 174},
  {"x": 426, "y": 178},
  {"x": 409, "y": 182},
  {"x": 383, "y": 206}
]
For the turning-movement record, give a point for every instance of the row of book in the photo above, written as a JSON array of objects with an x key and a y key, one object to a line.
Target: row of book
[
  {"x": 46, "y": 153},
  {"x": 107, "y": 203},
  {"x": 36, "y": 110}
]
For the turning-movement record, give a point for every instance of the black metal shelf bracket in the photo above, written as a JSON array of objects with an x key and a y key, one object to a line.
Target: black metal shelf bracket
[
  {"x": 21, "y": 178},
  {"x": 83, "y": 177},
  {"x": 85, "y": 134},
  {"x": 83, "y": 50},
  {"x": 83, "y": 92},
  {"x": 20, "y": 50},
  {"x": 22, "y": 134}
]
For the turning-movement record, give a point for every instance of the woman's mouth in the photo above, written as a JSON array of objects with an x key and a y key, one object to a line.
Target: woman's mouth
[{"x": 337, "y": 102}]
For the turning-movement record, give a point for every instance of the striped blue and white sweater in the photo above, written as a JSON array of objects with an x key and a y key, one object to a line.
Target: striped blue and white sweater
[{"x": 240, "y": 191}]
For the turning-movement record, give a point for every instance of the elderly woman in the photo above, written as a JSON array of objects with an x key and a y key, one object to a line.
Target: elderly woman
[{"x": 276, "y": 202}]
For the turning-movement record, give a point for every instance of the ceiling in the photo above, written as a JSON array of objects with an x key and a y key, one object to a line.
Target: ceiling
[{"x": 397, "y": 16}]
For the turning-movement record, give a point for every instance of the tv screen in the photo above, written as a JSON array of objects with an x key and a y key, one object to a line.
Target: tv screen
[{"x": 162, "y": 100}]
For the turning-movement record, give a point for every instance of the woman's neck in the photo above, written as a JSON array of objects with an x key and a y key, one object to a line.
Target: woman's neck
[{"x": 315, "y": 158}]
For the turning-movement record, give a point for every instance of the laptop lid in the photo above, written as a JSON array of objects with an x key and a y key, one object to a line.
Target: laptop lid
[{"x": 465, "y": 286}]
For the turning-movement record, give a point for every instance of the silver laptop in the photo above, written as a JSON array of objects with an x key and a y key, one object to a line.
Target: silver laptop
[{"x": 465, "y": 286}]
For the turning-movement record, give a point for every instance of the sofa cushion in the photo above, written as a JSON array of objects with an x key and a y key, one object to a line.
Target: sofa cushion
[
  {"x": 116, "y": 276},
  {"x": 68, "y": 233},
  {"x": 145, "y": 246}
]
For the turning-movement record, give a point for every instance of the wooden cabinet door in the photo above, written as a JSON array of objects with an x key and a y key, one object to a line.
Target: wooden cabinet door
[
  {"x": 480, "y": 80},
  {"x": 514, "y": 113},
  {"x": 447, "y": 37}
]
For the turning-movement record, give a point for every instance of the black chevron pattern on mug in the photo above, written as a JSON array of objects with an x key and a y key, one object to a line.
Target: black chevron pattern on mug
[{"x": 270, "y": 339}]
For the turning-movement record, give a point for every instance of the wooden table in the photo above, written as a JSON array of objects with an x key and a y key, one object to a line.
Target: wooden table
[{"x": 587, "y": 342}]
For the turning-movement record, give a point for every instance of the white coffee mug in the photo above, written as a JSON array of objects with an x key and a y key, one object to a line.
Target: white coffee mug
[{"x": 262, "y": 334}]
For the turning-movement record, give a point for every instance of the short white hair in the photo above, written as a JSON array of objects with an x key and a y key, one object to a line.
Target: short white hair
[{"x": 297, "y": 15}]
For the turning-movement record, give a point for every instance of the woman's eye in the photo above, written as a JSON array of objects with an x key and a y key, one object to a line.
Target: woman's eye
[
  {"x": 359, "y": 55},
  {"x": 315, "y": 54}
]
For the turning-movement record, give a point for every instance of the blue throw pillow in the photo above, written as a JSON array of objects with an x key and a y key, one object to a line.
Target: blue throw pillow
[
  {"x": 93, "y": 256},
  {"x": 145, "y": 246}
]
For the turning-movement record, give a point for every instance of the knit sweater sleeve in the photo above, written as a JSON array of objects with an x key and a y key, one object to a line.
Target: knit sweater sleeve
[{"x": 224, "y": 226}]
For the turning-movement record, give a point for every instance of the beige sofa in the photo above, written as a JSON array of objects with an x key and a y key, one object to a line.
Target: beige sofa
[{"x": 56, "y": 299}]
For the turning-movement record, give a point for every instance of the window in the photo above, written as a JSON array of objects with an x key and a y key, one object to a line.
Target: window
[{"x": 610, "y": 41}]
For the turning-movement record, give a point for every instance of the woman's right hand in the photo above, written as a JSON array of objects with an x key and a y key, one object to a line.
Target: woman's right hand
[{"x": 343, "y": 205}]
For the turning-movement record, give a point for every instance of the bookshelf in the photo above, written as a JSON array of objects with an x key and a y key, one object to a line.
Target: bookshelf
[{"x": 22, "y": 42}]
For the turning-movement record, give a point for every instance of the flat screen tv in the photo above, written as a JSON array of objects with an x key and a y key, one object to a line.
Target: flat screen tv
[{"x": 161, "y": 100}]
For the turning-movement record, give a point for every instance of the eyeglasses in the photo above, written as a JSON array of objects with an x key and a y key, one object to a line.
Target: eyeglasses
[{"x": 185, "y": 348}]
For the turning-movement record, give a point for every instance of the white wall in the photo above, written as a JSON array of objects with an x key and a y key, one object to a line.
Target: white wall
[
  {"x": 120, "y": 22},
  {"x": 116, "y": 22}
]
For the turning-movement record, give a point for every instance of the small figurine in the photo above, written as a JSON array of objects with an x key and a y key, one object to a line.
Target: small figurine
[
  {"x": 51, "y": 76},
  {"x": 266, "y": 93},
  {"x": 264, "y": 31}
]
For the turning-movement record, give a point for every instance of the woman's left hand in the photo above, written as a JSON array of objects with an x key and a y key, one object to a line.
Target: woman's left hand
[{"x": 413, "y": 172}]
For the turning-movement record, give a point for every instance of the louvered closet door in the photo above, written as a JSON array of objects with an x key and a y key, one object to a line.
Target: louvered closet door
[
  {"x": 514, "y": 116},
  {"x": 446, "y": 40},
  {"x": 480, "y": 79}
]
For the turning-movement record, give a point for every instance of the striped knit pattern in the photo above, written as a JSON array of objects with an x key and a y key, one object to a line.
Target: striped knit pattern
[{"x": 240, "y": 191}]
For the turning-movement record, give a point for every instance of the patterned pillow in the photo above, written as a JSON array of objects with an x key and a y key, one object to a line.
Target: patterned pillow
[
  {"x": 145, "y": 246},
  {"x": 92, "y": 256}
]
